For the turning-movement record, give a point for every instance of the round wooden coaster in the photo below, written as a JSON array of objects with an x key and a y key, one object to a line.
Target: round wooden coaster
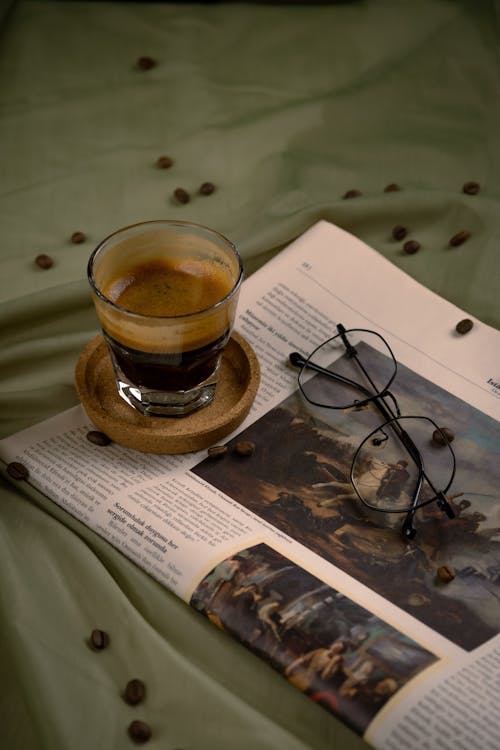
[{"x": 239, "y": 379}]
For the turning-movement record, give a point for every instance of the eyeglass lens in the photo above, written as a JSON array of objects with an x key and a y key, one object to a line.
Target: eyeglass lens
[
  {"x": 332, "y": 377},
  {"x": 390, "y": 475}
]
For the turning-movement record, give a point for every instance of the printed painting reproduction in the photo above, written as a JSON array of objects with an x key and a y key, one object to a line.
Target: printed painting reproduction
[
  {"x": 335, "y": 651},
  {"x": 327, "y": 477}
]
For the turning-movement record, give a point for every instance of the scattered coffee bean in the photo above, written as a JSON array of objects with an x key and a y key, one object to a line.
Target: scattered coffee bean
[
  {"x": 471, "y": 188},
  {"x": 17, "y": 470},
  {"x": 399, "y": 232},
  {"x": 459, "y": 238},
  {"x": 182, "y": 195},
  {"x": 443, "y": 436},
  {"x": 393, "y": 187},
  {"x": 446, "y": 573},
  {"x": 44, "y": 261},
  {"x": 78, "y": 237},
  {"x": 464, "y": 326},
  {"x": 411, "y": 247},
  {"x": 352, "y": 194},
  {"x": 217, "y": 451},
  {"x": 145, "y": 62},
  {"x": 99, "y": 639},
  {"x": 139, "y": 731},
  {"x": 206, "y": 188},
  {"x": 135, "y": 692},
  {"x": 98, "y": 438},
  {"x": 164, "y": 162},
  {"x": 244, "y": 447}
]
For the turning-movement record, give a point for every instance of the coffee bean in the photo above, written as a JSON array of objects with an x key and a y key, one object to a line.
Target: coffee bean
[
  {"x": 206, "y": 188},
  {"x": 78, "y": 237},
  {"x": 244, "y": 447},
  {"x": 145, "y": 63},
  {"x": 99, "y": 639},
  {"x": 98, "y": 438},
  {"x": 44, "y": 261},
  {"x": 399, "y": 232},
  {"x": 17, "y": 470},
  {"x": 446, "y": 573},
  {"x": 139, "y": 731},
  {"x": 459, "y": 238},
  {"x": 471, "y": 188},
  {"x": 217, "y": 451},
  {"x": 352, "y": 194},
  {"x": 164, "y": 162},
  {"x": 182, "y": 195},
  {"x": 464, "y": 326},
  {"x": 443, "y": 436},
  {"x": 135, "y": 692},
  {"x": 391, "y": 188},
  {"x": 411, "y": 247}
]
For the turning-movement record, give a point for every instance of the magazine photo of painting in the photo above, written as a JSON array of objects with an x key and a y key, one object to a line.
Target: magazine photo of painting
[
  {"x": 338, "y": 653},
  {"x": 300, "y": 479}
]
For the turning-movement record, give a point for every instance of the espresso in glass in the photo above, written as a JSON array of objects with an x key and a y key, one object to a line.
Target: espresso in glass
[{"x": 166, "y": 295}]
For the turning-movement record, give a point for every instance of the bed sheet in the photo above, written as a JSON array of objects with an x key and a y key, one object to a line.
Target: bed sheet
[{"x": 286, "y": 109}]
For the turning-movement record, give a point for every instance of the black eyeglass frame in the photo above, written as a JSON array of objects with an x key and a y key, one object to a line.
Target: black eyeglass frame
[{"x": 391, "y": 421}]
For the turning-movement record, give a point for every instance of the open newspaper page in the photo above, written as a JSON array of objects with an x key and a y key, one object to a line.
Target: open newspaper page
[{"x": 291, "y": 549}]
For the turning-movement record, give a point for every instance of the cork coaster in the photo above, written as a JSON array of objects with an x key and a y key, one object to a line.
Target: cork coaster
[{"x": 239, "y": 379}]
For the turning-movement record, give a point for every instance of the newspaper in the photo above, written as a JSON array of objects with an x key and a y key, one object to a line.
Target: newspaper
[{"x": 292, "y": 564}]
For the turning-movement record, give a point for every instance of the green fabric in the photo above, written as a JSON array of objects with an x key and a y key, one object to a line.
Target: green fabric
[{"x": 284, "y": 108}]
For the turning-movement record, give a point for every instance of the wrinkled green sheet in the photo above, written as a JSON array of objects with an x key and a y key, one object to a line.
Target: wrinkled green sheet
[{"x": 284, "y": 108}]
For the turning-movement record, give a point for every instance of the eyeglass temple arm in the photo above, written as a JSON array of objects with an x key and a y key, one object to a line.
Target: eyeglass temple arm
[
  {"x": 416, "y": 456},
  {"x": 403, "y": 436},
  {"x": 408, "y": 528},
  {"x": 351, "y": 353},
  {"x": 297, "y": 360}
]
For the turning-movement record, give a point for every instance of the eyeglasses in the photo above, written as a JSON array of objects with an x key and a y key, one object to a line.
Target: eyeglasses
[{"x": 392, "y": 471}]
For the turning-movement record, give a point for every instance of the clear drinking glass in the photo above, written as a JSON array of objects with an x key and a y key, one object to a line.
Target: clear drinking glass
[{"x": 166, "y": 294}]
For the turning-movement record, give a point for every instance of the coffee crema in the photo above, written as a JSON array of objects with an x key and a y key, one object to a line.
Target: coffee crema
[{"x": 169, "y": 287}]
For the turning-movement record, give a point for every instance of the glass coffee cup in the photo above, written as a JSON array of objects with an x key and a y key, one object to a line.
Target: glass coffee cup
[{"x": 166, "y": 294}]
